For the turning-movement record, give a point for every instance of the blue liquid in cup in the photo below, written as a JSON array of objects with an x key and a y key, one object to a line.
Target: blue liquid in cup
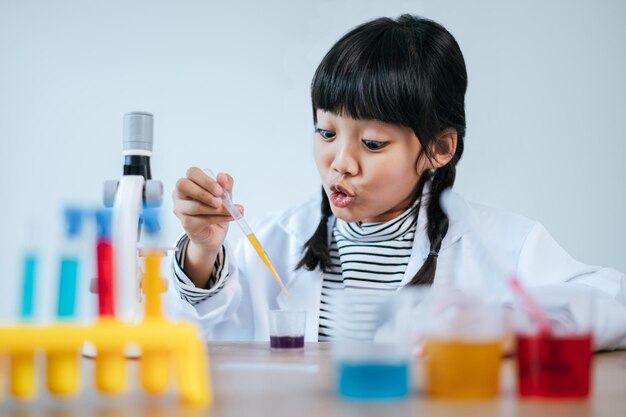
[{"x": 373, "y": 380}]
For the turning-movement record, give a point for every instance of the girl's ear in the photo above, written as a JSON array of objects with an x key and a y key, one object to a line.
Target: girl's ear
[{"x": 443, "y": 148}]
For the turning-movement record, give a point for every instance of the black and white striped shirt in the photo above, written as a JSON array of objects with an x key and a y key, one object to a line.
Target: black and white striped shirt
[
  {"x": 368, "y": 263},
  {"x": 188, "y": 291}
]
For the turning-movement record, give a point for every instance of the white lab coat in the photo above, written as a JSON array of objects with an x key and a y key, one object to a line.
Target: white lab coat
[{"x": 239, "y": 311}]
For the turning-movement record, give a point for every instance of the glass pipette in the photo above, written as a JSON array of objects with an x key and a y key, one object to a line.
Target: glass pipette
[{"x": 245, "y": 228}]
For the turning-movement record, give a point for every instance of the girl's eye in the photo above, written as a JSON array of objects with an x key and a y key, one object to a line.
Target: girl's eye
[
  {"x": 374, "y": 145},
  {"x": 326, "y": 134}
]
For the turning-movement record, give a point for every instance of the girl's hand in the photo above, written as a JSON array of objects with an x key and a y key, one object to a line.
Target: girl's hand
[{"x": 198, "y": 205}]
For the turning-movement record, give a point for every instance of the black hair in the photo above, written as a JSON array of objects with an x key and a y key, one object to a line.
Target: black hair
[{"x": 410, "y": 72}]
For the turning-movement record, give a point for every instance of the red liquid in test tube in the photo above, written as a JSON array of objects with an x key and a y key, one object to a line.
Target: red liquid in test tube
[{"x": 104, "y": 253}]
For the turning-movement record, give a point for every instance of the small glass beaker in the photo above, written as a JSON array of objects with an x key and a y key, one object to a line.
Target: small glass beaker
[{"x": 287, "y": 329}]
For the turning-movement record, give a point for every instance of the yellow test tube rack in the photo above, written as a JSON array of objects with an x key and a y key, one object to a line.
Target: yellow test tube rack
[{"x": 162, "y": 343}]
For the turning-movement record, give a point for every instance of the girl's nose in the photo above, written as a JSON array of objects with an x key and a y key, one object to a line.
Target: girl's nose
[{"x": 345, "y": 160}]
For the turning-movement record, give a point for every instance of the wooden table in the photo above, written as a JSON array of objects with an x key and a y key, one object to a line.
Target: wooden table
[{"x": 250, "y": 380}]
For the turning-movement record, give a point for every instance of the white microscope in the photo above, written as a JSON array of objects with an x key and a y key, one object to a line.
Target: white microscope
[{"x": 127, "y": 197}]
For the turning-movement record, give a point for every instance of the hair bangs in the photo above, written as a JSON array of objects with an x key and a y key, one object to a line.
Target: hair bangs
[{"x": 356, "y": 78}]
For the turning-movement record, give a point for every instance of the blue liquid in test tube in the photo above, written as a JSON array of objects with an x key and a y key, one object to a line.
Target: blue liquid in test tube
[
  {"x": 69, "y": 268},
  {"x": 67, "y": 287},
  {"x": 29, "y": 275}
]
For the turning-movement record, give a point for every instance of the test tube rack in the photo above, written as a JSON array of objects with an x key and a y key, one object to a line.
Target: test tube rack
[{"x": 160, "y": 341}]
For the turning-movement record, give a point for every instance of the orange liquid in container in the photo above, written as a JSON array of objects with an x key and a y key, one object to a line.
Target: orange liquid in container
[{"x": 463, "y": 369}]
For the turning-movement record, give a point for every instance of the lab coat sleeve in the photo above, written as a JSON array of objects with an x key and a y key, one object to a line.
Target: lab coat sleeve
[
  {"x": 548, "y": 269},
  {"x": 221, "y": 314},
  {"x": 187, "y": 290}
]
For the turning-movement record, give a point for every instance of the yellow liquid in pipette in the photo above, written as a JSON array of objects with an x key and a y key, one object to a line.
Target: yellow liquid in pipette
[{"x": 266, "y": 259}]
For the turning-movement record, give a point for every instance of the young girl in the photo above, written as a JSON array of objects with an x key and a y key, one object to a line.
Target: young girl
[{"x": 388, "y": 109}]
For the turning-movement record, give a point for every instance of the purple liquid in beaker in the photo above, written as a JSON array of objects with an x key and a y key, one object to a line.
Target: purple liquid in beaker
[{"x": 286, "y": 342}]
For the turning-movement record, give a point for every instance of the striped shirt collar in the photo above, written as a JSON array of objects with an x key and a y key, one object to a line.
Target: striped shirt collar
[{"x": 382, "y": 231}]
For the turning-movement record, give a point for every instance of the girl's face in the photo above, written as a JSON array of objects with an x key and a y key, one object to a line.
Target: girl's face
[{"x": 369, "y": 169}]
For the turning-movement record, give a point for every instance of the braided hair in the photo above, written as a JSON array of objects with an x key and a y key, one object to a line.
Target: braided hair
[{"x": 407, "y": 71}]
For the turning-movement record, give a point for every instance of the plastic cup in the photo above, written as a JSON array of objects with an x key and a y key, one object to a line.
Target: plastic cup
[
  {"x": 555, "y": 363},
  {"x": 463, "y": 346},
  {"x": 372, "y": 370},
  {"x": 287, "y": 329},
  {"x": 379, "y": 367}
]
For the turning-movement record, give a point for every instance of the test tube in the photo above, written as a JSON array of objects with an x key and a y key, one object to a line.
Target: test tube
[
  {"x": 29, "y": 281},
  {"x": 154, "y": 364},
  {"x": 63, "y": 376},
  {"x": 110, "y": 366},
  {"x": 105, "y": 265},
  {"x": 69, "y": 266},
  {"x": 22, "y": 362}
]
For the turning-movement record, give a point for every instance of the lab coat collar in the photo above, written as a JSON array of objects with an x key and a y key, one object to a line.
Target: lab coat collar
[
  {"x": 457, "y": 227},
  {"x": 421, "y": 243},
  {"x": 301, "y": 222}
]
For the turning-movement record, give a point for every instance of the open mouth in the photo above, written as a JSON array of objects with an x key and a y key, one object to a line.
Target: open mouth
[{"x": 340, "y": 196}]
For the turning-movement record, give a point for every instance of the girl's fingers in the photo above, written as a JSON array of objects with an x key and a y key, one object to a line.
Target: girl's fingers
[
  {"x": 199, "y": 195},
  {"x": 195, "y": 208},
  {"x": 226, "y": 182},
  {"x": 190, "y": 222},
  {"x": 187, "y": 189},
  {"x": 204, "y": 181}
]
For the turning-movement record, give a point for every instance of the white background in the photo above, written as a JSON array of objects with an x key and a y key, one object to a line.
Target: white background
[{"x": 228, "y": 83}]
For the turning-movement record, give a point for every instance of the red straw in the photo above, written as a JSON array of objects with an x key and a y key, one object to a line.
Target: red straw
[{"x": 535, "y": 311}]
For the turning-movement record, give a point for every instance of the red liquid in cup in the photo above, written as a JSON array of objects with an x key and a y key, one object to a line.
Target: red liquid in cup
[{"x": 554, "y": 366}]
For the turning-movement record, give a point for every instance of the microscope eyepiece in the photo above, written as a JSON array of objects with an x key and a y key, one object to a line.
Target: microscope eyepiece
[
  {"x": 138, "y": 133},
  {"x": 137, "y": 141}
]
